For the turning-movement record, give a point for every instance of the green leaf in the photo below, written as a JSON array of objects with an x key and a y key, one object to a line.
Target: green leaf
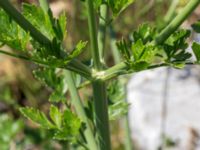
[
  {"x": 117, "y": 6},
  {"x": 71, "y": 122},
  {"x": 196, "y": 26},
  {"x": 71, "y": 125},
  {"x": 123, "y": 48},
  {"x": 12, "y": 34},
  {"x": 137, "y": 50},
  {"x": 143, "y": 55},
  {"x": 37, "y": 117},
  {"x": 56, "y": 116},
  {"x": 77, "y": 50},
  {"x": 178, "y": 36},
  {"x": 139, "y": 66},
  {"x": 116, "y": 91},
  {"x": 144, "y": 33},
  {"x": 196, "y": 50},
  {"x": 9, "y": 129},
  {"x": 62, "y": 24},
  {"x": 97, "y": 3},
  {"x": 57, "y": 96},
  {"x": 176, "y": 45},
  {"x": 178, "y": 65},
  {"x": 39, "y": 19},
  {"x": 55, "y": 79},
  {"x": 117, "y": 110}
]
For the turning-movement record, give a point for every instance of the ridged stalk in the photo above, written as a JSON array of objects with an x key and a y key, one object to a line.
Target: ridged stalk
[
  {"x": 127, "y": 131},
  {"x": 165, "y": 33},
  {"x": 102, "y": 31},
  {"x": 99, "y": 88},
  {"x": 75, "y": 97},
  {"x": 77, "y": 103},
  {"x": 75, "y": 65}
]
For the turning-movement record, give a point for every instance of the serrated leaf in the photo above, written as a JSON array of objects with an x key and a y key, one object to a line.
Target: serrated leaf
[
  {"x": 37, "y": 117},
  {"x": 117, "y": 6},
  {"x": 71, "y": 122},
  {"x": 137, "y": 50},
  {"x": 70, "y": 127},
  {"x": 97, "y": 3},
  {"x": 116, "y": 91},
  {"x": 54, "y": 79},
  {"x": 39, "y": 19},
  {"x": 47, "y": 76},
  {"x": 62, "y": 24},
  {"x": 57, "y": 96},
  {"x": 177, "y": 36},
  {"x": 196, "y": 50},
  {"x": 178, "y": 65},
  {"x": 56, "y": 116},
  {"x": 117, "y": 110},
  {"x": 12, "y": 34},
  {"x": 196, "y": 26},
  {"x": 175, "y": 46},
  {"x": 9, "y": 129},
  {"x": 139, "y": 66},
  {"x": 143, "y": 55},
  {"x": 123, "y": 48},
  {"x": 77, "y": 50},
  {"x": 144, "y": 33}
]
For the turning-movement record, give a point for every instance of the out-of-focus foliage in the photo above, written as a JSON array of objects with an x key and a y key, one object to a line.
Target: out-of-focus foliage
[
  {"x": 64, "y": 125},
  {"x": 142, "y": 52},
  {"x": 9, "y": 130}
]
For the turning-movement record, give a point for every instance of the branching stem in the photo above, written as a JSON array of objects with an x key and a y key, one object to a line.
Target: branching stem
[
  {"x": 99, "y": 88},
  {"x": 76, "y": 66},
  {"x": 165, "y": 33}
]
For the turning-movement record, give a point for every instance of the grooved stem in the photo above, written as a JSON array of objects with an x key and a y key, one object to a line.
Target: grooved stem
[
  {"x": 75, "y": 65},
  {"x": 99, "y": 88}
]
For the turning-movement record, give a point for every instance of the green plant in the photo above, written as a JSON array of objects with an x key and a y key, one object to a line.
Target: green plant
[{"x": 36, "y": 36}]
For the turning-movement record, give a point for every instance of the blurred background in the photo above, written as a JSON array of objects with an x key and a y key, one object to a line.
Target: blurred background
[{"x": 164, "y": 103}]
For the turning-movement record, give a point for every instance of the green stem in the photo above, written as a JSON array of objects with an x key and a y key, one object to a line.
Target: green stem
[
  {"x": 99, "y": 87},
  {"x": 44, "y": 5},
  {"x": 75, "y": 65},
  {"x": 179, "y": 19},
  {"x": 165, "y": 33},
  {"x": 114, "y": 71},
  {"x": 171, "y": 11},
  {"x": 26, "y": 25},
  {"x": 117, "y": 58},
  {"x": 69, "y": 66},
  {"x": 101, "y": 115},
  {"x": 102, "y": 31},
  {"x": 128, "y": 139},
  {"x": 76, "y": 101},
  {"x": 93, "y": 35}
]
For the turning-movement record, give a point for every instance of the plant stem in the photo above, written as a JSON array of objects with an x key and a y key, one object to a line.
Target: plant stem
[
  {"x": 93, "y": 35},
  {"x": 85, "y": 74},
  {"x": 165, "y": 33},
  {"x": 117, "y": 58},
  {"x": 44, "y": 5},
  {"x": 102, "y": 31},
  {"x": 99, "y": 88},
  {"x": 128, "y": 139},
  {"x": 171, "y": 11},
  {"x": 179, "y": 19},
  {"x": 115, "y": 52},
  {"x": 76, "y": 100},
  {"x": 75, "y": 65},
  {"x": 26, "y": 25},
  {"x": 101, "y": 115}
]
